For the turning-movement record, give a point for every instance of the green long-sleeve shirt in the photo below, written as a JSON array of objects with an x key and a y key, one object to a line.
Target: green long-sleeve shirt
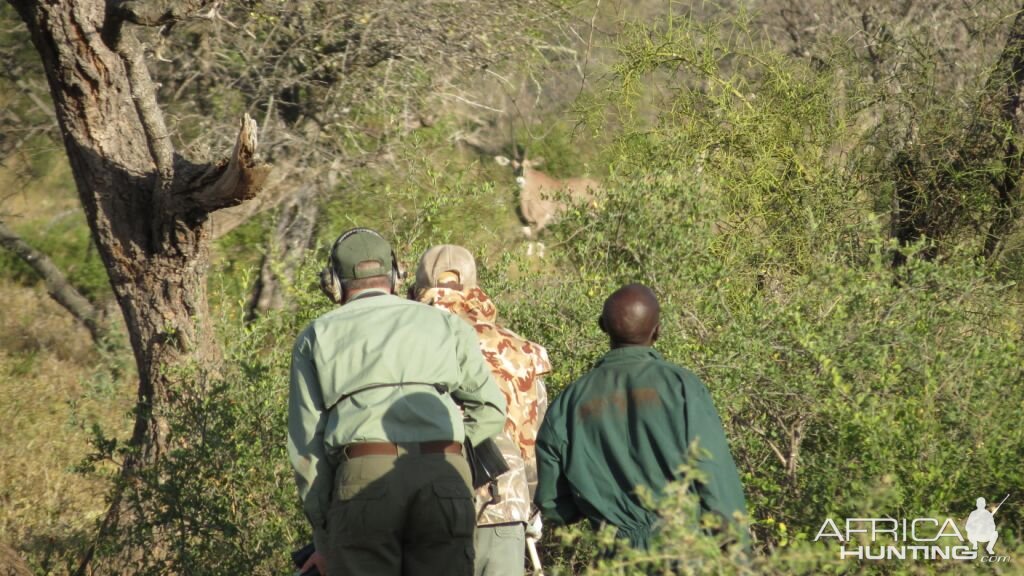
[
  {"x": 382, "y": 339},
  {"x": 628, "y": 423}
]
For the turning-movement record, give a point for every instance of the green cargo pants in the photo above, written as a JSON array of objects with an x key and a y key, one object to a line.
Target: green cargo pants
[
  {"x": 406, "y": 515},
  {"x": 500, "y": 550}
]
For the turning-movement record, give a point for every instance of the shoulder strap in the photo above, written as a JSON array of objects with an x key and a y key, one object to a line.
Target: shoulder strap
[{"x": 440, "y": 388}]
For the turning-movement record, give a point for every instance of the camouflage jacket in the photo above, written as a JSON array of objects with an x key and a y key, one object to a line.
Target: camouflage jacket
[{"x": 518, "y": 366}]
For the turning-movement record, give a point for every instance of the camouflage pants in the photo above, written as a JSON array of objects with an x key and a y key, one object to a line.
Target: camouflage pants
[{"x": 406, "y": 515}]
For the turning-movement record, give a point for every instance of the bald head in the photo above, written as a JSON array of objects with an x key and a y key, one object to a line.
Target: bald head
[{"x": 630, "y": 316}]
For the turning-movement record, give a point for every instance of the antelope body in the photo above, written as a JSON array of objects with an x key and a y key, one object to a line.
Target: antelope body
[{"x": 540, "y": 195}]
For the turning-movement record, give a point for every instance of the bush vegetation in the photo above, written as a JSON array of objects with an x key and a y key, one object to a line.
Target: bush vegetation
[{"x": 858, "y": 374}]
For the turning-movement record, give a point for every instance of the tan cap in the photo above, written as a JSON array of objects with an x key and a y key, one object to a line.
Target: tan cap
[{"x": 439, "y": 262}]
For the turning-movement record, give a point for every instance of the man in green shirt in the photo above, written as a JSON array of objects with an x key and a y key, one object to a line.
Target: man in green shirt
[
  {"x": 384, "y": 392},
  {"x": 627, "y": 423}
]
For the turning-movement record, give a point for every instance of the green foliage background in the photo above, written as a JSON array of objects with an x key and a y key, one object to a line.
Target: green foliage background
[{"x": 742, "y": 187}]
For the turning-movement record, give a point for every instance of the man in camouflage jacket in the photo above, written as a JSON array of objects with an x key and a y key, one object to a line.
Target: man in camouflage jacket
[{"x": 446, "y": 278}]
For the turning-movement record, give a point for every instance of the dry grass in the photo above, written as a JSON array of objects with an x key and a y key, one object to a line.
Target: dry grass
[
  {"x": 36, "y": 183},
  {"x": 53, "y": 386}
]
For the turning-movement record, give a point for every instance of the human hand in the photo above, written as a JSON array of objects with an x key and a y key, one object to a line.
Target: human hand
[
  {"x": 316, "y": 560},
  {"x": 535, "y": 527}
]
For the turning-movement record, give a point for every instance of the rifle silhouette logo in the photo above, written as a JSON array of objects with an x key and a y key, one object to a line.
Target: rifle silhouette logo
[{"x": 981, "y": 525}]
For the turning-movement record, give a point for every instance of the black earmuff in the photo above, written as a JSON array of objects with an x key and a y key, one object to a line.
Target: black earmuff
[{"x": 330, "y": 282}]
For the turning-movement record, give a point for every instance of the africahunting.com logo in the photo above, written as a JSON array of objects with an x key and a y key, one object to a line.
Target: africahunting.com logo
[{"x": 917, "y": 538}]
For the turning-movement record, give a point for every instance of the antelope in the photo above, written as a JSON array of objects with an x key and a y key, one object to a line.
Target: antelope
[{"x": 538, "y": 193}]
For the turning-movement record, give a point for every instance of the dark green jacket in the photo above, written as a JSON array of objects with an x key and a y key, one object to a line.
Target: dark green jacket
[{"x": 626, "y": 423}]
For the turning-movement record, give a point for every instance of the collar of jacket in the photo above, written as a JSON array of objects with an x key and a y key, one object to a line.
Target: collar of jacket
[
  {"x": 473, "y": 305},
  {"x": 368, "y": 293},
  {"x": 630, "y": 354}
]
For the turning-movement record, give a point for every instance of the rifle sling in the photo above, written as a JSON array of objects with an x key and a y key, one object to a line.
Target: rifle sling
[{"x": 440, "y": 388}]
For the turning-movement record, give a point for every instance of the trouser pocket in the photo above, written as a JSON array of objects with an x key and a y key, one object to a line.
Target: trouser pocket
[
  {"x": 456, "y": 505},
  {"x": 358, "y": 515}
]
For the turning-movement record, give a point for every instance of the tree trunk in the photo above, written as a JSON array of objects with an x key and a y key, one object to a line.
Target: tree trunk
[
  {"x": 287, "y": 246},
  {"x": 147, "y": 208}
]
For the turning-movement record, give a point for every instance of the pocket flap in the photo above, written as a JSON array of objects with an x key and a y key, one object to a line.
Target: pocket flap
[
  {"x": 452, "y": 490},
  {"x": 510, "y": 531}
]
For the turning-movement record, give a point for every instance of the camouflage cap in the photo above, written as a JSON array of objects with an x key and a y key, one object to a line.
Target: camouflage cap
[
  {"x": 438, "y": 260},
  {"x": 358, "y": 246}
]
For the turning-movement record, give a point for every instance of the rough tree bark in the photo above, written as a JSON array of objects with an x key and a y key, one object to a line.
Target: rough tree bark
[{"x": 148, "y": 208}]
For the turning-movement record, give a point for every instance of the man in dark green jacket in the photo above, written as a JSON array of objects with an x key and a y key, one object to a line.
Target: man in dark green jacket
[{"x": 627, "y": 423}]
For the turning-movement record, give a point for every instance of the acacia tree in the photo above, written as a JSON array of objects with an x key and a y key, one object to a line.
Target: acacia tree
[{"x": 148, "y": 207}]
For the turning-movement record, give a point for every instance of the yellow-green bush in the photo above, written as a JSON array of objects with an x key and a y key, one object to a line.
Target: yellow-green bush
[{"x": 840, "y": 378}]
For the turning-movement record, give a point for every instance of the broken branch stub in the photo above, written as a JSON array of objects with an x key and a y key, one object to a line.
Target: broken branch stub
[{"x": 236, "y": 179}]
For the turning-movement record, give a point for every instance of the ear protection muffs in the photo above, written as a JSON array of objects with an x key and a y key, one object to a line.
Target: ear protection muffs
[{"x": 330, "y": 282}]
